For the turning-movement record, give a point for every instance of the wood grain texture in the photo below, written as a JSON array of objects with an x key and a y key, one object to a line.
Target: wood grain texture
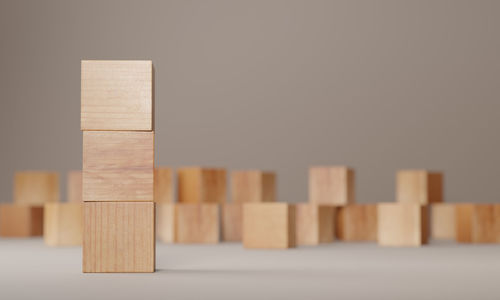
[
  {"x": 163, "y": 185},
  {"x": 477, "y": 223},
  {"x": 443, "y": 221},
  {"x": 118, "y": 166},
  {"x": 63, "y": 224},
  {"x": 20, "y": 220},
  {"x": 117, "y": 95},
  {"x": 253, "y": 186},
  {"x": 165, "y": 225},
  {"x": 36, "y": 187},
  {"x": 232, "y": 222},
  {"x": 74, "y": 186},
  {"x": 314, "y": 224},
  {"x": 402, "y": 224},
  {"x": 357, "y": 222},
  {"x": 332, "y": 185},
  {"x": 269, "y": 225},
  {"x": 419, "y": 186},
  {"x": 201, "y": 185},
  {"x": 119, "y": 237},
  {"x": 197, "y": 223}
]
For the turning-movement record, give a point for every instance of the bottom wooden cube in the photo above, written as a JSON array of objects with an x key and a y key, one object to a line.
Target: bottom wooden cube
[
  {"x": 442, "y": 221},
  {"x": 165, "y": 222},
  {"x": 477, "y": 223},
  {"x": 268, "y": 225},
  {"x": 232, "y": 222},
  {"x": 20, "y": 220},
  {"x": 119, "y": 237},
  {"x": 314, "y": 224},
  {"x": 63, "y": 224},
  {"x": 197, "y": 223},
  {"x": 357, "y": 222},
  {"x": 401, "y": 224}
]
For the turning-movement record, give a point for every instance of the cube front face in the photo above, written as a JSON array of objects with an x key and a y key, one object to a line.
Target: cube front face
[
  {"x": 232, "y": 222},
  {"x": 20, "y": 220},
  {"x": 314, "y": 224},
  {"x": 165, "y": 225},
  {"x": 357, "y": 222},
  {"x": 331, "y": 185},
  {"x": 74, "y": 186},
  {"x": 443, "y": 221},
  {"x": 118, "y": 166},
  {"x": 201, "y": 185},
  {"x": 401, "y": 224},
  {"x": 419, "y": 186},
  {"x": 163, "y": 185},
  {"x": 36, "y": 187},
  {"x": 253, "y": 186},
  {"x": 63, "y": 224},
  {"x": 477, "y": 223},
  {"x": 196, "y": 223},
  {"x": 117, "y": 95}
]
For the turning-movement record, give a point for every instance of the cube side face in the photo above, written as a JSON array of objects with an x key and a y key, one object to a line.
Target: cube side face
[
  {"x": 213, "y": 185},
  {"x": 197, "y": 223},
  {"x": 246, "y": 186},
  {"x": 412, "y": 186},
  {"x": 400, "y": 224},
  {"x": 189, "y": 185},
  {"x": 117, "y": 95},
  {"x": 358, "y": 222},
  {"x": 163, "y": 185},
  {"x": 118, "y": 166},
  {"x": 326, "y": 224},
  {"x": 463, "y": 223},
  {"x": 74, "y": 186},
  {"x": 443, "y": 221},
  {"x": 70, "y": 224},
  {"x": 51, "y": 224},
  {"x": 232, "y": 222},
  {"x": 483, "y": 224},
  {"x": 331, "y": 185},
  {"x": 435, "y": 187},
  {"x": 165, "y": 215},
  {"x": 20, "y": 220},
  {"x": 307, "y": 224},
  {"x": 36, "y": 187},
  {"x": 269, "y": 187},
  {"x": 267, "y": 225},
  {"x": 292, "y": 238}
]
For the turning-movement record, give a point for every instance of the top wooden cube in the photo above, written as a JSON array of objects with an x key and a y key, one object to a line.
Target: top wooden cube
[
  {"x": 419, "y": 186},
  {"x": 117, "y": 95},
  {"x": 331, "y": 185},
  {"x": 253, "y": 186},
  {"x": 36, "y": 187}
]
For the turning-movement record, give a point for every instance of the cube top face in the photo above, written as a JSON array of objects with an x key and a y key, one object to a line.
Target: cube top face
[
  {"x": 197, "y": 223},
  {"x": 331, "y": 185},
  {"x": 201, "y": 185},
  {"x": 443, "y": 221},
  {"x": 314, "y": 223},
  {"x": 357, "y": 222},
  {"x": 36, "y": 187},
  {"x": 253, "y": 186},
  {"x": 419, "y": 186},
  {"x": 118, "y": 166},
  {"x": 163, "y": 185},
  {"x": 401, "y": 224},
  {"x": 116, "y": 95},
  {"x": 20, "y": 220},
  {"x": 74, "y": 186}
]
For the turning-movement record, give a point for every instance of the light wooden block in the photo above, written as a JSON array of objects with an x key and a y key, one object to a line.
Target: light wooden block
[
  {"x": 201, "y": 185},
  {"x": 36, "y": 187},
  {"x": 331, "y": 185},
  {"x": 357, "y": 222},
  {"x": 253, "y": 186},
  {"x": 118, "y": 166},
  {"x": 443, "y": 221},
  {"x": 20, "y": 220},
  {"x": 197, "y": 223},
  {"x": 63, "y": 224},
  {"x": 314, "y": 224},
  {"x": 165, "y": 222},
  {"x": 232, "y": 222},
  {"x": 419, "y": 186},
  {"x": 163, "y": 185},
  {"x": 268, "y": 225},
  {"x": 477, "y": 223},
  {"x": 74, "y": 186},
  {"x": 119, "y": 237},
  {"x": 402, "y": 224},
  {"x": 117, "y": 95}
]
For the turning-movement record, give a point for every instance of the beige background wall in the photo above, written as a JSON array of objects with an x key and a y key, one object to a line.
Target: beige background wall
[{"x": 378, "y": 85}]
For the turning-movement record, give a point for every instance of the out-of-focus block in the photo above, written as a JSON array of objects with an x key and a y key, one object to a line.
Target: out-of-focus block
[
  {"x": 63, "y": 224},
  {"x": 477, "y": 223},
  {"x": 443, "y": 221},
  {"x": 201, "y": 185},
  {"x": 118, "y": 166},
  {"x": 402, "y": 224},
  {"x": 197, "y": 223},
  {"x": 36, "y": 187},
  {"x": 165, "y": 225},
  {"x": 253, "y": 186},
  {"x": 268, "y": 225},
  {"x": 419, "y": 186},
  {"x": 20, "y": 220},
  {"x": 314, "y": 223},
  {"x": 331, "y": 185},
  {"x": 116, "y": 95},
  {"x": 357, "y": 222},
  {"x": 74, "y": 186},
  {"x": 119, "y": 237},
  {"x": 163, "y": 185},
  {"x": 232, "y": 221}
]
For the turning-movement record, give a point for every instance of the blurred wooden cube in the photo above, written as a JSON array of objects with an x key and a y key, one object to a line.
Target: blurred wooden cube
[
  {"x": 253, "y": 186},
  {"x": 74, "y": 186},
  {"x": 63, "y": 224},
  {"x": 20, "y": 220},
  {"x": 268, "y": 225},
  {"x": 163, "y": 185},
  {"x": 402, "y": 224},
  {"x": 419, "y": 186},
  {"x": 332, "y": 185},
  {"x": 477, "y": 223},
  {"x": 201, "y": 185},
  {"x": 314, "y": 223},
  {"x": 232, "y": 222},
  {"x": 165, "y": 225},
  {"x": 357, "y": 222},
  {"x": 36, "y": 187},
  {"x": 197, "y": 223},
  {"x": 443, "y": 221}
]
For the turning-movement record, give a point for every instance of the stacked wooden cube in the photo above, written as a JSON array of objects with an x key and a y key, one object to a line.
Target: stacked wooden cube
[{"x": 118, "y": 163}]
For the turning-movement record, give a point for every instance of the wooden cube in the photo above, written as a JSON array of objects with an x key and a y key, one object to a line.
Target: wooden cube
[
  {"x": 117, "y": 95},
  {"x": 118, "y": 166},
  {"x": 119, "y": 237},
  {"x": 314, "y": 224},
  {"x": 165, "y": 224},
  {"x": 197, "y": 223},
  {"x": 74, "y": 186},
  {"x": 63, "y": 224},
  {"x": 477, "y": 223},
  {"x": 20, "y": 220},
  {"x": 331, "y": 185},
  {"x": 253, "y": 186},
  {"x": 163, "y": 185},
  {"x": 402, "y": 224},
  {"x": 357, "y": 222},
  {"x": 419, "y": 186},
  {"x": 443, "y": 221},
  {"x": 232, "y": 222},
  {"x": 36, "y": 187},
  {"x": 268, "y": 225},
  {"x": 201, "y": 185}
]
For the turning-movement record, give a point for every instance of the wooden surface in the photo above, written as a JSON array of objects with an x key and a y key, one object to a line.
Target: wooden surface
[
  {"x": 20, "y": 220},
  {"x": 118, "y": 166},
  {"x": 36, "y": 187},
  {"x": 268, "y": 225},
  {"x": 232, "y": 222},
  {"x": 163, "y": 185},
  {"x": 74, "y": 186},
  {"x": 197, "y": 223},
  {"x": 419, "y": 186},
  {"x": 253, "y": 186},
  {"x": 357, "y": 222},
  {"x": 314, "y": 224},
  {"x": 402, "y": 224},
  {"x": 332, "y": 185},
  {"x": 116, "y": 95},
  {"x": 477, "y": 223},
  {"x": 119, "y": 237},
  {"x": 63, "y": 224},
  {"x": 201, "y": 185},
  {"x": 443, "y": 221},
  {"x": 165, "y": 222}
]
